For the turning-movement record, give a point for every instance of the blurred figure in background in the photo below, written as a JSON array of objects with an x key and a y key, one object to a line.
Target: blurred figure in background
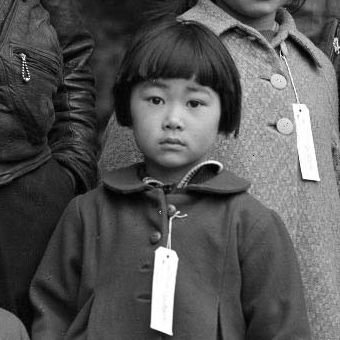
[{"x": 319, "y": 20}]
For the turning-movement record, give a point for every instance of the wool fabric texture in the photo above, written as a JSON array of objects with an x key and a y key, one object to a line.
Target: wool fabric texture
[
  {"x": 238, "y": 276},
  {"x": 268, "y": 158}
]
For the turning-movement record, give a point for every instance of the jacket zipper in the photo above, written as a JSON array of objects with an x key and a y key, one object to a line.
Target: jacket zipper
[
  {"x": 335, "y": 49},
  {"x": 336, "y": 46},
  {"x": 28, "y": 62},
  {"x": 25, "y": 73}
]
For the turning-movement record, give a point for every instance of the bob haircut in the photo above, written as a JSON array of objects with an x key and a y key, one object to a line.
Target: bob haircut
[{"x": 171, "y": 49}]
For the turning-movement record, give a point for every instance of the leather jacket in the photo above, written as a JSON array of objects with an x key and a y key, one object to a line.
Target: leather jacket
[{"x": 46, "y": 90}]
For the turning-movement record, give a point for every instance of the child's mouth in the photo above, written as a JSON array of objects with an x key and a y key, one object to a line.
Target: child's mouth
[{"x": 174, "y": 141}]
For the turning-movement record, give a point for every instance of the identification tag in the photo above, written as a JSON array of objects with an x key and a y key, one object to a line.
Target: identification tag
[
  {"x": 163, "y": 290},
  {"x": 305, "y": 143}
]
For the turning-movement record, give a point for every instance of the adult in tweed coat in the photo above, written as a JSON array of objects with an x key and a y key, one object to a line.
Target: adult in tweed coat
[{"x": 267, "y": 155}]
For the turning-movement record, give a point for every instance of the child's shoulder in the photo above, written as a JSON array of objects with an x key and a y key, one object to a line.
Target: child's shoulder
[
  {"x": 244, "y": 206},
  {"x": 116, "y": 181},
  {"x": 255, "y": 223},
  {"x": 232, "y": 191},
  {"x": 251, "y": 209}
]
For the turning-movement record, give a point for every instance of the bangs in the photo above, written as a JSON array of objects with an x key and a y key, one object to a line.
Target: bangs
[{"x": 181, "y": 51}]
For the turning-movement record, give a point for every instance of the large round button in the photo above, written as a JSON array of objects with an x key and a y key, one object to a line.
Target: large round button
[
  {"x": 285, "y": 126},
  {"x": 155, "y": 237},
  {"x": 278, "y": 81},
  {"x": 171, "y": 210}
]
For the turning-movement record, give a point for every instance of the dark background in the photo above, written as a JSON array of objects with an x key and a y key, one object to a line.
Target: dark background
[{"x": 111, "y": 22}]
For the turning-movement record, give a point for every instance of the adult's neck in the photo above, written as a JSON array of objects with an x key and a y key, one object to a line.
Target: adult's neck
[{"x": 260, "y": 23}]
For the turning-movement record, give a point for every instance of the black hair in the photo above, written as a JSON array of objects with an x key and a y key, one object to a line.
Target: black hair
[
  {"x": 171, "y": 49},
  {"x": 158, "y": 9}
]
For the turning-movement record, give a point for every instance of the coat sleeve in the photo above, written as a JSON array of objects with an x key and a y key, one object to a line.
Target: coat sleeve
[
  {"x": 272, "y": 292},
  {"x": 73, "y": 135},
  {"x": 55, "y": 287}
]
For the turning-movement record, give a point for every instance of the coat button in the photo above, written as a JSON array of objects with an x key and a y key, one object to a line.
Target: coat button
[
  {"x": 278, "y": 81},
  {"x": 155, "y": 237},
  {"x": 171, "y": 210},
  {"x": 285, "y": 126}
]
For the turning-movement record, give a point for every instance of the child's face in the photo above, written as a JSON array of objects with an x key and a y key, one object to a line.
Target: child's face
[
  {"x": 175, "y": 123},
  {"x": 257, "y": 13}
]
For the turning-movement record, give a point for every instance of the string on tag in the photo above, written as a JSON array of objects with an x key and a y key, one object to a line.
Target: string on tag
[
  {"x": 304, "y": 135},
  {"x": 175, "y": 215},
  {"x": 282, "y": 56}
]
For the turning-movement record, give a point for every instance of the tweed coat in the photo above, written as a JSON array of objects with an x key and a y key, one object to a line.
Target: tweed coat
[{"x": 238, "y": 277}]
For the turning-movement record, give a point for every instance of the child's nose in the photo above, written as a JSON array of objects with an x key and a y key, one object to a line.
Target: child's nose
[{"x": 173, "y": 119}]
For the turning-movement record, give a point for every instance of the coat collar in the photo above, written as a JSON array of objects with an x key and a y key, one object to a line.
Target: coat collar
[
  {"x": 217, "y": 20},
  {"x": 126, "y": 181}
]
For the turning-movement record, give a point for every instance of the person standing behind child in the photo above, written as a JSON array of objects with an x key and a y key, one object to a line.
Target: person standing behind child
[
  {"x": 279, "y": 67},
  {"x": 238, "y": 276},
  {"x": 47, "y": 134}
]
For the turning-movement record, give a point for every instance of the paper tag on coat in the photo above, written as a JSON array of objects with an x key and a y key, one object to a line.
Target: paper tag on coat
[
  {"x": 305, "y": 143},
  {"x": 163, "y": 290}
]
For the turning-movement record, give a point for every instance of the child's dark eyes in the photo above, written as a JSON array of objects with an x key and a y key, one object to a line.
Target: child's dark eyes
[
  {"x": 159, "y": 101},
  {"x": 155, "y": 100},
  {"x": 194, "y": 103}
]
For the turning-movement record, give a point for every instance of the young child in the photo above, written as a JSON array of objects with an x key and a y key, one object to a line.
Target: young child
[
  {"x": 11, "y": 328},
  {"x": 237, "y": 275},
  {"x": 280, "y": 70}
]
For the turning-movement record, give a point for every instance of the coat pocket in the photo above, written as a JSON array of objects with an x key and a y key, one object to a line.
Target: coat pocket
[
  {"x": 34, "y": 76},
  {"x": 35, "y": 61}
]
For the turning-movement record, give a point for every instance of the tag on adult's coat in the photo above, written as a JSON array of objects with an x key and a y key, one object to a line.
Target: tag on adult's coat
[{"x": 305, "y": 143}]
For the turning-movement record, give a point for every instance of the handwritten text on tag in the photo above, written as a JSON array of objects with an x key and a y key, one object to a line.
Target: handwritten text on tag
[
  {"x": 163, "y": 290},
  {"x": 305, "y": 143}
]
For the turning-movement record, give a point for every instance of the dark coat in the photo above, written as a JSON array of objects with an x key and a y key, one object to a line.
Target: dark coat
[
  {"x": 47, "y": 100},
  {"x": 238, "y": 276}
]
